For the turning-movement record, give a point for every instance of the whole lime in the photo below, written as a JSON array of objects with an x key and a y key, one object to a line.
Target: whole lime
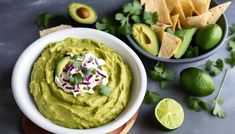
[
  {"x": 208, "y": 36},
  {"x": 196, "y": 82}
]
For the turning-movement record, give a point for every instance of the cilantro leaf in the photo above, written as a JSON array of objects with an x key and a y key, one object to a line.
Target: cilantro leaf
[
  {"x": 77, "y": 63},
  {"x": 196, "y": 104},
  {"x": 105, "y": 90},
  {"x": 214, "y": 69},
  {"x": 162, "y": 75},
  {"x": 192, "y": 52},
  {"x": 231, "y": 60},
  {"x": 152, "y": 97},
  {"x": 232, "y": 28},
  {"x": 164, "y": 84},
  {"x": 133, "y": 8},
  {"x": 231, "y": 45},
  {"x": 44, "y": 19},
  {"x": 149, "y": 18},
  {"x": 217, "y": 110},
  {"x": 136, "y": 18},
  {"x": 193, "y": 103},
  {"x": 88, "y": 71},
  {"x": 123, "y": 19},
  {"x": 106, "y": 25},
  {"x": 125, "y": 29},
  {"x": 76, "y": 79}
]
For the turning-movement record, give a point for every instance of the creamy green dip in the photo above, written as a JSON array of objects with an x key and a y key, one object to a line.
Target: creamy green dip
[{"x": 83, "y": 110}]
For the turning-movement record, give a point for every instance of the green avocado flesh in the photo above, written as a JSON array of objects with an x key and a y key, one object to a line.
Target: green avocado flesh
[
  {"x": 186, "y": 36},
  {"x": 145, "y": 38},
  {"x": 61, "y": 65},
  {"x": 82, "y": 13}
]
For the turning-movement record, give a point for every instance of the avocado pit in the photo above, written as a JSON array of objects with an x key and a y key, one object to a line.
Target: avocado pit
[{"x": 83, "y": 13}]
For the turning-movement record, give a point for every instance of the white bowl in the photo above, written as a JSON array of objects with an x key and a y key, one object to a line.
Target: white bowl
[{"x": 22, "y": 71}]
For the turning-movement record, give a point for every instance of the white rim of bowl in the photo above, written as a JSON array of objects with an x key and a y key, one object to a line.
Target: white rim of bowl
[{"x": 58, "y": 129}]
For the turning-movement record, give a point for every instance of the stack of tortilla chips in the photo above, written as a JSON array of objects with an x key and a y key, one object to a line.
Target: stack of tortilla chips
[{"x": 180, "y": 14}]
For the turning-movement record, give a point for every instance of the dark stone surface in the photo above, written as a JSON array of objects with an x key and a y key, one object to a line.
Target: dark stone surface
[{"x": 18, "y": 30}]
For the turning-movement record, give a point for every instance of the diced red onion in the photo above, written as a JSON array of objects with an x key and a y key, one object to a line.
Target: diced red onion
[
  {"x": 97, "y": 80},
  {"x": 89, "y": 77},
  {"x": 68, "y": 87},
  {"x": 65, "y": 80},
  {"x": 75, "y": 90},
  {"x": 96, "y": 62},
  {"x": 101, "y": 74},
  {"x": 86, "y": 83},
  {"x": 64, "y": 84}
]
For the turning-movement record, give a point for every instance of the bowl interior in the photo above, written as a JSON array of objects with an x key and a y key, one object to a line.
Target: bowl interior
[
  {"x": 22, "y": 72},
  {"x": 222, "y": 22}
]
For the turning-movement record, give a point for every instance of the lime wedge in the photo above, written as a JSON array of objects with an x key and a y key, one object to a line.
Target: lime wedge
[{"x": 169, "y": 114}]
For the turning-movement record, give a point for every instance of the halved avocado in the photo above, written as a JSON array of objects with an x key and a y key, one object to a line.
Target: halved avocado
[
  {"x": 145, "y": 38},
  {"x": 61, "y": 65},
  {"x": 82, "y": 13},
  {"x": 186, "y": 36}
]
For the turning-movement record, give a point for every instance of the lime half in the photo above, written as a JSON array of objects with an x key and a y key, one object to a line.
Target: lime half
[{"x": 169, "y": 114}]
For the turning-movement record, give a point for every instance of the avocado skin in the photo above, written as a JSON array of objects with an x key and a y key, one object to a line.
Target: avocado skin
[
  {"x": 142, "y": 31},
  {"x": 186, "y": 36},
  {"x": 75, "y": 19}
]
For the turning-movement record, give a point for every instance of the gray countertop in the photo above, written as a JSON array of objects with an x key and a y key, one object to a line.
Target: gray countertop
[{"x": 18, "y": 30}]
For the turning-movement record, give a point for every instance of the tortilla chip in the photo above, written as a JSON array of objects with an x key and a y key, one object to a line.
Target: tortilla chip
[
  {"x": 170, "y": 44},
  {"x": 170, "y": 5},
  {"x": 217, "y": 11},
  {"x": 160, "y": 7},
  {"x": 53, "y": 29},
  {"x": 178, "y": 10},
  {"x": 159, "y": 28},
  {"x": 178, "y": 25},
  {"x": 174, "y": 20},
  {"x": 209, "y": 17},
  {"x": 187, "y": 7},
  {"x": 199, "y": 21},
  {"x": 201, "y": 6}
]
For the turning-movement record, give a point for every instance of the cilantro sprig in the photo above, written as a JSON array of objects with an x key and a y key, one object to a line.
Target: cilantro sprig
[
  {"x": 44, "y": 20},
  {"x": 196, "y": 104},
  {"x": 231, "y": 47},
  {"x": 131, "y": 13},
  {"x": 152, "y": 97},
  {"x": 107, "y": 25},
  {"x": 217, "y": 110},
  {"x": 162, "y": 75},
  {"x": 214, "y": 68}
]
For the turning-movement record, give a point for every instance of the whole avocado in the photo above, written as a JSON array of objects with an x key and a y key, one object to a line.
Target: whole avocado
[{"x": 196, "y": 82}]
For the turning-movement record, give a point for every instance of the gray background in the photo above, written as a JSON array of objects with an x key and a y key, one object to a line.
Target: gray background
[{"x": 18, "y": 30}]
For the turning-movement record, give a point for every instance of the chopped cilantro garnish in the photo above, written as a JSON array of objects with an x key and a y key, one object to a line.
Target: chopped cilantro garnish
[
  {"x": 77, "y": 63},
  {"x": 88, "y": 71},
  {"x": 76, "y": 79},
  {"x": 105, "y": 90}
]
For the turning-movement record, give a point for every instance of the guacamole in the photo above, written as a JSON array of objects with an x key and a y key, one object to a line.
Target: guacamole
[{"x": 85, "y": 109}]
